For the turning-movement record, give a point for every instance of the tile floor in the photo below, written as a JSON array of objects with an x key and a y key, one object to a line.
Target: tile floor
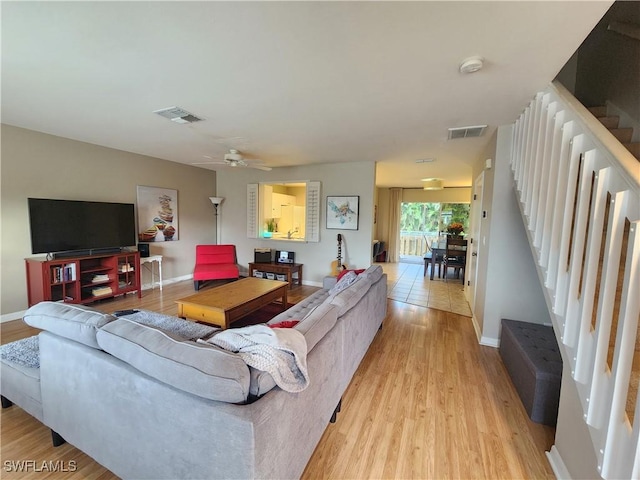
[{"x": 406, "y": 283}]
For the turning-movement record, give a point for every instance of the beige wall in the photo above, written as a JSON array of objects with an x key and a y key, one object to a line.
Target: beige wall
[
  {"x": 355, "y": 178},
  {"x": 45, "y": 166}
]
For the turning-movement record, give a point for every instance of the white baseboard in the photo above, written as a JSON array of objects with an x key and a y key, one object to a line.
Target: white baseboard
[
  {"x": 476, "y": 327},
  {"x": 490, "y": 342},
  {"x": 167, "y": 281},
  {"x": 557, "y": 464},
  {"x": 9, "y": 317},
  {"x": 482, "y": 340}
]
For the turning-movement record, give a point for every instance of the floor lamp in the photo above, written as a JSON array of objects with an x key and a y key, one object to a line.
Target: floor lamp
[{"x": 217, "y": 201}]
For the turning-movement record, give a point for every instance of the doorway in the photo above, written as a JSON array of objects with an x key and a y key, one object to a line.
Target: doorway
[
  {"x": 421, "y": 223},
  {"x": 476, "y": 215}
]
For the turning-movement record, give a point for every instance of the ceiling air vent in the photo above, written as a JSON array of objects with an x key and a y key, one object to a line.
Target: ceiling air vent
[
  {"x": 466, "y": 132},
  {"x": 178, "y": 115}
]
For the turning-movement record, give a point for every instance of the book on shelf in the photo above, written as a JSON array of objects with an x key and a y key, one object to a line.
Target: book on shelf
[
  {"x": 66, "y": 273},
  {"x": 69, "y": 272},
  {"x": 55, "y": 275},
  {"x": 99, "y": 291},
  {"x": 100, "y": 277}
]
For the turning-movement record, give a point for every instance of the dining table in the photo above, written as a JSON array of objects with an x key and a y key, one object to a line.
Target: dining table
[{"x": 438, "y": 248}]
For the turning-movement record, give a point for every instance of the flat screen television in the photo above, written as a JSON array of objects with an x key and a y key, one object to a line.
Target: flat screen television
[{"x": 78, "y": 226}]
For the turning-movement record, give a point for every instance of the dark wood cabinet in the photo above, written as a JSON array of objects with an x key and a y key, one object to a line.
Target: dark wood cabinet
[{"x": 82, "y": 279}]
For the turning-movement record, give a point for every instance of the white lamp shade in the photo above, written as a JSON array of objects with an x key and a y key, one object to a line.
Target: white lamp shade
[{"x": 216, "y": 200}]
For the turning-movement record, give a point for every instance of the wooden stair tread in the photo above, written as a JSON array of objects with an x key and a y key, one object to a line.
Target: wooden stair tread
[
  {"x": 622, "y": 134},
  {"x": 609, "y": 122},
  {"x": 634, "y": 148},
  {"x": 599, "y": 111}
]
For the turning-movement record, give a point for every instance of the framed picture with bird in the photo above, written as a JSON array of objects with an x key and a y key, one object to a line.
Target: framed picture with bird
[{"x": 342, "y": 212}]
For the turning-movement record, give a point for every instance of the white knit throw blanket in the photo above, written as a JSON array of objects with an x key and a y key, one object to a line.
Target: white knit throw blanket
[{"x": 281, "y": 352}]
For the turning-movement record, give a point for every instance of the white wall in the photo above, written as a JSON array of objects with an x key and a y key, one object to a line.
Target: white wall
[
  {"x": 573, "y": 439},
  {"x": 39, "y": 165},
  {"x": 357, "y": 178},
  {"x": 510, "y": 287}
]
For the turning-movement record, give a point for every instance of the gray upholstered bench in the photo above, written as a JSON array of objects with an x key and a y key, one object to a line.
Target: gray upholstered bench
[{"x": 530, "y": 353}]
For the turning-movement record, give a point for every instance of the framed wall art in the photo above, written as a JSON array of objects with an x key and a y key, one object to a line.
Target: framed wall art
[
  {"x": 342, "y": 212},
  {"x": 157, "y": 214}
]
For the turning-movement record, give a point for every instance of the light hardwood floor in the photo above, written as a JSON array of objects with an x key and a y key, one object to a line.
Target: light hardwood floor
[{"x": 427, "y": 402}]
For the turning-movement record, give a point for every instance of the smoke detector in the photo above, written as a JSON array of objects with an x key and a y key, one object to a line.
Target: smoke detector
[{"x": 471, "y": 64}]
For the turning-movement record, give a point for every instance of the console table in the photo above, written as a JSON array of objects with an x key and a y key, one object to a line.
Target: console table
[
  {"x": 151, "y": 259},
  {"x": 287, "y": 269}
]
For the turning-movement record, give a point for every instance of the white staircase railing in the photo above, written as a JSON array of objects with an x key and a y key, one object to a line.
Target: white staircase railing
[{"x": 579, "y": 192}]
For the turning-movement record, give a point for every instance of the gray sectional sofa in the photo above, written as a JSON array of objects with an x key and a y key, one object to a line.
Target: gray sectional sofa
[{"x": 147, "y": 402}]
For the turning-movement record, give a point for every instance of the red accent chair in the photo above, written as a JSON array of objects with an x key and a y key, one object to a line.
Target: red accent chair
[{"x": 215, "y": 262}]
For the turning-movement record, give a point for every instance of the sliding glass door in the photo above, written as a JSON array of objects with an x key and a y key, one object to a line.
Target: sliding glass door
[{"x": 422, "y": 223}]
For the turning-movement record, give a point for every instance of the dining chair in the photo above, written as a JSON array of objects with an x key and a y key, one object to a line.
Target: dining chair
[
  {"x": 427, "y": 259},
  {"x": 455, "y": 256}
]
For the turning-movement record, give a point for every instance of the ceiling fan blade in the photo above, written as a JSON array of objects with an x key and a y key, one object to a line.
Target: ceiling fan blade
[
  {"x": 208, "y": 163},
  {"x": 261, "y": 167}
]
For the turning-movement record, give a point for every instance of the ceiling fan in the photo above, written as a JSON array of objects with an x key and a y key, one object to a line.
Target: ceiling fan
[{"x": 235, "y": 159}]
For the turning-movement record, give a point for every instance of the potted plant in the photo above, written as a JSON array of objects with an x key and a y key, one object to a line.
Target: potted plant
[
  {"x": 455, "y": 228},
  {"x": 271, "y": 227}
]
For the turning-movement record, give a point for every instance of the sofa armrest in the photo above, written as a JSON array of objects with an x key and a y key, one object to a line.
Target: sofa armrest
[{"x": 328, "y": 282}]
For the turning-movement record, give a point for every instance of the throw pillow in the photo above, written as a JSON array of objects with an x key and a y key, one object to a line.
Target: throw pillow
[
  {"x": 344, "y": 282},
  {"x": 284, "y": 324},
  {"x": 344, "y": 272}
]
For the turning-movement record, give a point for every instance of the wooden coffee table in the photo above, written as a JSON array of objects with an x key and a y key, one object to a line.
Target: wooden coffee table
[{"x": 227, "y": 303}]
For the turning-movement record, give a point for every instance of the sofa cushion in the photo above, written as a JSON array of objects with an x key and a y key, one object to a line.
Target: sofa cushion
[
  {"x": 75, "y": 322},
  {"x": 198, "y": 368},
  {"x": 215, "y": 271},
  {"x": 346, "y": 299},
  {"x": 317, "y": 323},
  {"x": 373, "y": 273},
  {"x": 301, "y": 309},
  {"x": 349, "y": 278},
  {"x": 314, "y": 326},
  {"x": 357, "y": 271}
]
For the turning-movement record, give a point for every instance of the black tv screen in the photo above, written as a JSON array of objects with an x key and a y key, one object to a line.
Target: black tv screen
[{"x": 68, "y": 225}]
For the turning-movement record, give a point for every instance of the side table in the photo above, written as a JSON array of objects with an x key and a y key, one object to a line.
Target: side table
[{"x": 151, "y": 259}]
